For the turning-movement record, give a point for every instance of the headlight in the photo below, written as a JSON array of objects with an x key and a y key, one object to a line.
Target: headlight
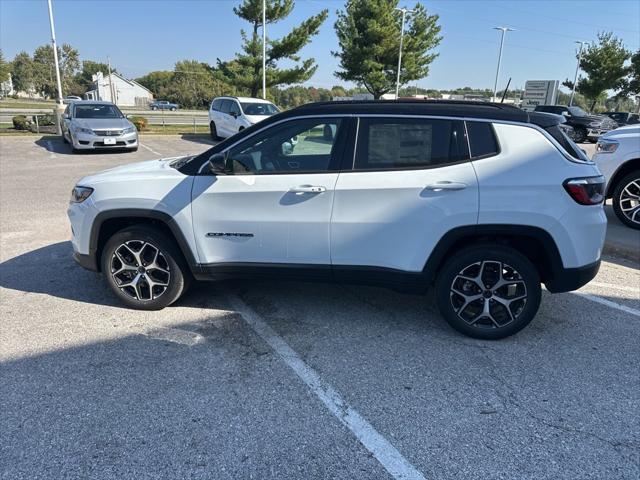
[
  {"x": 606, "y": 146},
  {"x": 80, "y": 194},
  {"x": 130, "y": 129},
  {"x": 83, "y": 130}
]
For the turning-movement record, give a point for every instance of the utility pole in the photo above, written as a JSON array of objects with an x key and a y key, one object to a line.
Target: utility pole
[
  {"x": 264, "y": 49},
  {"x": 404, "y": 14},
  {"x": 503, "y": 30},
  {"x": 113, "y": 97},
  {"x": 575, "y": 78},
  {"x": 59, "y": 107}
]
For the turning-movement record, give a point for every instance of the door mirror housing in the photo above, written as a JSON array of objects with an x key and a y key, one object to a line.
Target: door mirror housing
[
  {"x": 286, "y": 148},
  {"x": 233, "y": 114},
  {"x": 218, "y": 163}
]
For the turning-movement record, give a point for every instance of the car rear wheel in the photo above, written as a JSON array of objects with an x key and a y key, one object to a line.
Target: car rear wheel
[
  {"x": 154, "y": 108},
  {"x": 626, "y": 200},
  {"x": 173, "y": 109},
  {"x": 144, "y": 268},
  {"x": 488, "y": 291},
  {"x": 214, "y": 131}
]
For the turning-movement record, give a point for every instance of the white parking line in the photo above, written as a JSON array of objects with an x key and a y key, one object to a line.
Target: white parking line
[
  {"x": 388, "y": 456},
  {"x": 616, "y": 287},
  {"x": 609, "y": 303},
  {"x": 150, "y": 149}
]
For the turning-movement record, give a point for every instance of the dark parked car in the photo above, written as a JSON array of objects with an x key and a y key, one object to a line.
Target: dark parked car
[
  {"x": 624, "y": 118},
  {"x": 163, "y": 105},
  {"x": 585, "y": 126}
]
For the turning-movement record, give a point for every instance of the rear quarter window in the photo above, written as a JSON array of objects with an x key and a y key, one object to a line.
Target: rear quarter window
[{"x": 482, "y": 140}]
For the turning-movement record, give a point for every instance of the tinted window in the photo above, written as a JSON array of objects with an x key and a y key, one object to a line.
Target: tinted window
[
  {"x": 297, "y": 146},
  {"x": 633, "y": 119},
  {"x": 482, "y": 139},
  {"x": 225, "y": 106},
  {"x": 561, "y": 137},
  {"x": 408, "y": 143},
  {"x": 216, "y": 104},
  {"x": 234, "y": 108}
]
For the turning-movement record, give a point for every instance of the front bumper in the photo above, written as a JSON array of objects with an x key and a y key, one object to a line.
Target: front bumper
[
  {"x": 595, "y": 133},
  {"x": 569, "y": 279},
  {"x": 88, "y": 141}
]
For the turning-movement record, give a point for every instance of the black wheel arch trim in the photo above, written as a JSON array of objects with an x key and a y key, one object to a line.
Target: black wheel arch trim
[
  {"x": 125, "y": 213},
  {"x": 557, "y": 279}
]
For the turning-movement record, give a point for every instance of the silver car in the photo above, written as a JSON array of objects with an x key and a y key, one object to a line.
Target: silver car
[{"x": 91, "y": 125}]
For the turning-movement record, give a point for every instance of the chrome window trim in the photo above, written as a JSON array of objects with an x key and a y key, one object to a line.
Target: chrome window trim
[{"x": 541, "y": 130}]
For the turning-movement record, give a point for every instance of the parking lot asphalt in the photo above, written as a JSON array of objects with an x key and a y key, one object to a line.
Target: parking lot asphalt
[{"x": 258, "y": 380}]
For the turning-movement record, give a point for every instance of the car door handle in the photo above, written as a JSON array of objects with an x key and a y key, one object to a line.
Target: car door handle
[
  {"x": 446, "y": 185},
  {"x": 302, "y": 189}
]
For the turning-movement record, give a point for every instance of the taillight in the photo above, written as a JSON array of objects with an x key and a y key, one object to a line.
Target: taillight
[{"x": 587, "y": 190}]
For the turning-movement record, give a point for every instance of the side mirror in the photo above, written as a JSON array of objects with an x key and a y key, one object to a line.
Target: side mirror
[
  {"x": 233, "y": 114},
  {"x": 66, "y": 116},
  {"x": 127, "y": 116},
  {"x": 217, "y": 163}
]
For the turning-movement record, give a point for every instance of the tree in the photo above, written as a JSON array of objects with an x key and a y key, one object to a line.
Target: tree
[
  {"x": 23, "y": 74},
  {"x": 5, "y": 68},
  {"x": 157, "y": 82},
  {"x": 44, "y": 68},
  {"x": 604, "y": 65},
  {"x": 245, "y": 71},
  {"x": 369, "y": 37},
  {"x": 632, "y": 82}
]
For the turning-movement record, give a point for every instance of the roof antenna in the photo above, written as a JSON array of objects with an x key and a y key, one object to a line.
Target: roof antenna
[{"x": 504, "y": 94}]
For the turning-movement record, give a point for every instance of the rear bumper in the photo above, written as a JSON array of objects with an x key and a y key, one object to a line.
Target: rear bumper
[{"x": 569, "y": 279}]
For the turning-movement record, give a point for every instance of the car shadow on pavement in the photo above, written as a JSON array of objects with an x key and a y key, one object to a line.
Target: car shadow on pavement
[
  {"x": 202, "y": 138},
  {"x": 56, "y": 145}
]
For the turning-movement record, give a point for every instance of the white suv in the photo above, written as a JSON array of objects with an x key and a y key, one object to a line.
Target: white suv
[
  {"x": 230, "y": 115},
  {"x": 483, "y": 200},
  {"x": 618, "y": 157}
]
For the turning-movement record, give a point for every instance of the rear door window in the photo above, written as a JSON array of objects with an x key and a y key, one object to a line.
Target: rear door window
[
  {"x": 216, "y": 104},
  {"x": 408, "y": 143}
]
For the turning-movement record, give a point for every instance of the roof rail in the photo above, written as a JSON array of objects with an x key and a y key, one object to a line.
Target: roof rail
[{"x": 501, "y": 106}]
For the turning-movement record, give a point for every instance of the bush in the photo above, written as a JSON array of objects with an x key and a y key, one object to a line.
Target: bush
[
  {"x": 141, "y": 123},
  {"x": 46, "y": 120},
  {"x": 20, "y": 122}
]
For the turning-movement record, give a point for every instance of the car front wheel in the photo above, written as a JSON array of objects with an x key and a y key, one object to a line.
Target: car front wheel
[
  {"x": 626, "y": 200},
  {"x": 144, "y": 268},
  {"x": 488, "y": 291}
]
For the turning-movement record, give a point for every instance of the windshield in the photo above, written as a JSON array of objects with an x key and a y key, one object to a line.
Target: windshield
[
  {"x": 97, "y": 111},
  {"x": 259, "y": 108},
  {"x": 577, "y": 112}
]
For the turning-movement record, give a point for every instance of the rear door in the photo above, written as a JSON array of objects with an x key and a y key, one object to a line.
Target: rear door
[
  {"x": 224, "y": 118},
  {"x": 274, "y": 204},
  {"x": 410, "y": 181}
]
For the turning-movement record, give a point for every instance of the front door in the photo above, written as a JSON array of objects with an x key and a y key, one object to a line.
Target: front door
[
  {"x": 410, "y": 182},
  {"x": 274, "y": 204}
]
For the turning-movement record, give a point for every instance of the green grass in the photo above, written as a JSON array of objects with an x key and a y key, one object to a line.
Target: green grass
[
  {"x": 26, "y": 103},
  {"x": 176, "y": 129}
]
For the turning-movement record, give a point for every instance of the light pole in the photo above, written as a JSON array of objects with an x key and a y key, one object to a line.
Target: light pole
[
  {"x": 575, "y": 78},
  {"x": 404, "y": 14},
  {"x": 264, "y": 49},
  {"x": 59, "y": 107},
  {"x": 503, "y": 30}
]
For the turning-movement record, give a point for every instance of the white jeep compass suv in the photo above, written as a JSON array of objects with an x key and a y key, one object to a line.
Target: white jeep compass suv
[{"x": 485, "y": 201}]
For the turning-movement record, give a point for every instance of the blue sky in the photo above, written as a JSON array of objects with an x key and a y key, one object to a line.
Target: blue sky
[{"x": 145, "y": 35}]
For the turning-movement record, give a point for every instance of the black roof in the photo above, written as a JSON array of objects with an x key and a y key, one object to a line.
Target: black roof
[{"x": 446, "y": 108}]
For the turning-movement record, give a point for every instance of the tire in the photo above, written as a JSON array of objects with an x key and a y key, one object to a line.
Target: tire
[
  {"x": 171, "y": 269},
  {"x": 64, "y": 139},
  {"x": 481, "y": 261},
  {"x": 214, "y": 131},
  {"x": 579, "y": 135},
  {"x": 173, "y": 109},
  {"x": 626, "y": 200},
  {"x": 154, "y": 109}
]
